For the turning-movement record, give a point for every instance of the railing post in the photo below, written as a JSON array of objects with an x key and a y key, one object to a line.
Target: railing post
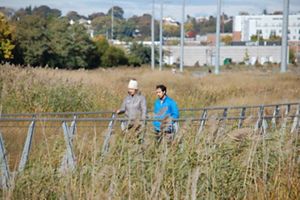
[
  {"x": 5, "y": 177},
  {"x": 285, "y": 118},
  {"x": 296, "y": 121},
  {"x": 70, "y": 153},
  {"x": 73, "y": 127},
  {"x": 108, "y": 134},
  {"x": 27, "y": 146},
  {"x": 242, "y": 117},
  {"x": 225, "y": 114},
  {"x": 261, "y": 121},
  {"x": 275, "y": 114},
  {"x": 202, "y": 124},
  {"x": 67, "y": 160},
  {"x": 222, "y": 122}
]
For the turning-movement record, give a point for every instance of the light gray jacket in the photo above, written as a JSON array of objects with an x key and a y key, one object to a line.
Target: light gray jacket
[{"x": 135, "y": 107}]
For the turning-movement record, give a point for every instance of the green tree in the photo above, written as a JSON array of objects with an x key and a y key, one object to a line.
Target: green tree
[
  {"x": 171, "y": 30},
  {"x": 143, "y": 53},
  {"x": 55, "y": 43},
  {"x": 227, "y": 39},
  {"x": 41, "y": 11},
  {"x": 124, "y": 30},
  {"x": 46, "y": 12},
  {"x": 73, "y": 15},
  {"x": 255, "y": 38},
  {"x": 118, "y": 12},
  {"x": 101, "y": 45},
  {"x": 292, "y": 56},
  {"x": 101, "y": 25},
  {"x": 6, "y": 40},
  {"x": 71, "y": 46},
  {"x": 143, "y": 24},
  {"x": 32, "y": 40},
  {"x": 114, "y": 56}
]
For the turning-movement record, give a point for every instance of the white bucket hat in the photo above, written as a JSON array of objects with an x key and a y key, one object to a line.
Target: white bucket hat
[{"x": 133, "y": 84}]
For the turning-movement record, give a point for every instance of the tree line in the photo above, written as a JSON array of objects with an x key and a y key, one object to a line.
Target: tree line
[{"x": 41, "y": 36}]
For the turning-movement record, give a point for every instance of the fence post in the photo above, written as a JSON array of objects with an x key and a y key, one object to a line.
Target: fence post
[
  {"x": 5, "y": 177},
  {"x": 108, "y": 134},
  {"x": 285, "y": 118},
  {"x": 70, "y": 153},
  {"x": 73, "y": 127},
  {"x": 261, "y": 121},
  {"x": 242, "y": 117},
  {"x": 222, "y": 122},
  {"x": 275, "y": 114},
  {"x": 296, "y": 121},
  {"x": 27, "y": 146},
  {"x": 66, "y": 159},
  {"x": 202, "y": 124}
]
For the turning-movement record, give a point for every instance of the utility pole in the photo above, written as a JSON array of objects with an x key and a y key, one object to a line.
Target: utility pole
[
  {"x": 217, "y": 58},
  {"x": 161, "y": 35},
  {"x": 152, "y": 36},
  {"x": 112, "y": 21},
  {"x": 182, "y": 37},
  {"x": 284, "y": 38}
]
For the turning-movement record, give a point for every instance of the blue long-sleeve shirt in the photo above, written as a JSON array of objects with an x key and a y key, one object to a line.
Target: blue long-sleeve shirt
[{"x": 163, "y": 109}]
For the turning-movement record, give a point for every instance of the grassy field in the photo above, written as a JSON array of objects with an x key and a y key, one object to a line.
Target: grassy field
[
  {"x": 40, "y": 90},
  {"x": 237, "y": 164}
]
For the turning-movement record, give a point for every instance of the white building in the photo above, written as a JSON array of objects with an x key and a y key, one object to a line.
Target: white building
[
  {"x": 170, "y": 21},
  {"x": 205, "y": 55},
  {"x": 244, "y": 26}
]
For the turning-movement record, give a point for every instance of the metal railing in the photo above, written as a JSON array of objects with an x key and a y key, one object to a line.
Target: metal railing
[{"x": 259, "y": 117}]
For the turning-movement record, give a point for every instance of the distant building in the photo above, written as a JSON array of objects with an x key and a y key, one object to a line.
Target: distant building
[
  {"x": 206, "y": 55},
  {"x": 245, "y": 26},
  {"x": 170, "y": 21}
]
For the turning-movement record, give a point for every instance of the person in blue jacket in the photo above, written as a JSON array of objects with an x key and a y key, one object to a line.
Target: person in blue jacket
[{"x": 166, "y": 110}]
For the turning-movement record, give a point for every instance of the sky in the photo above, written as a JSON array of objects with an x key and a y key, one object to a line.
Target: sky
[{"x": 172, "y": 8}]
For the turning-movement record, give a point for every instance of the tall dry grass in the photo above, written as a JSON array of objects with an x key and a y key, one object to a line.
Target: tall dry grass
[
  {"x": 253, "y": 167},
  {"x": 227, "y": 164},
  {"x": 37, "y": 89}
]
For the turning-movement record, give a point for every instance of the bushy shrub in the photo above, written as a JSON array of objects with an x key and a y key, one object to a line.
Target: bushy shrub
[
  {"x": 134, "y": 61},
  {"x": 114, "y": 56}
]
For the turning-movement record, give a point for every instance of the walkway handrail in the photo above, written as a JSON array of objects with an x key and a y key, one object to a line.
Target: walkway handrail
[{"x": 39, "y": 115}]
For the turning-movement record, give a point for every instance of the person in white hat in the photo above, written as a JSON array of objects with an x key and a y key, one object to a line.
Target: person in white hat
[{"x": 134, "y": 106}]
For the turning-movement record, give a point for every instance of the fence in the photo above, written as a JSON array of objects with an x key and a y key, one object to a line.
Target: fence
[{"x": 14, "y": 127}]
